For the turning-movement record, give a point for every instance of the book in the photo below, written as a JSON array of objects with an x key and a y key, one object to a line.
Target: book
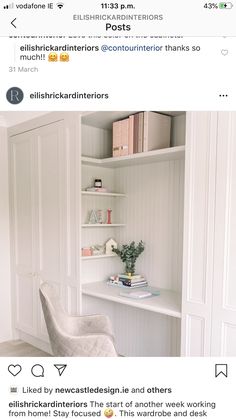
[
  {"x": 136, "y": 294},
  {"x": 138, "y": 285},
  {"x": 136, "y": 276},
  {"x": 120, "y": 138},
  {"x": 132, "y": 281},
  {"x": 131, "y": 135},
  {"x": 121, "y": 284},
  {"x": 156, "y": 131},
  {"x": 140, "y": 131},
  {"x": 135, "y": 133}
]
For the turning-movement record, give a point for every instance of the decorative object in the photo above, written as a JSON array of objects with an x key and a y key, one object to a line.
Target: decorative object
[
  {"x": 97, "y": 183},
  {"x": 129, "y": 254},
  {"x": 110, "y": 245},
  {"x": 86, "y": 251},
  {"x": 109, "y": 211},
  {"x": 114, "y": 280},
  {"x": 99, "y": 216},
  {"x": 97, "y": 250},
  {"x": 95, "y": 217}
]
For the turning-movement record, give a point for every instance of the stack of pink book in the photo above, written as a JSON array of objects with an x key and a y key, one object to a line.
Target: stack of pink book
[{"x": 144, "y": 131}]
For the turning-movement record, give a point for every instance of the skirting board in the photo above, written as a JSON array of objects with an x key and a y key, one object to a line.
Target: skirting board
[{"x": 43, "y": 346}]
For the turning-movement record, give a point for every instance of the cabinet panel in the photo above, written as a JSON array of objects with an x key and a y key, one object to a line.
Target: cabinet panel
[
  {"x": 195, "y": 332},
  {"x": 199, "y": 214},
  {"x": 50, "y": 178},
  {"x": 228, "y": 339},
  {"x": 45, "y": 240},
  {"x": 22, "y": 223},
  {"x": 224, "y": 289}
]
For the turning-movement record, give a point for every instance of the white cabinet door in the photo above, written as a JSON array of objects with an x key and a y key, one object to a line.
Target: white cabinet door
[
  {"x": 46, "y": 193},
  {"x": 23, "y": 220},
  {"x": 57, "y": 219},
  {"x": 49, "y": 201},
  {"x": 224, "y": 286},
  {"x": 200, "y": 167},
  {"x": 209, "y": 286}
]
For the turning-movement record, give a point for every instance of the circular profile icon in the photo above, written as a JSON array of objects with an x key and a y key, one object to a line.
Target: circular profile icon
[{"x": 15, "y": 95}]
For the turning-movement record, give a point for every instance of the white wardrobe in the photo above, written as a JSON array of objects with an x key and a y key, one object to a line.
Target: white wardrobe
[
  {"x": 180, "y": 201},
  {"x": 209, "y": 262},
  {"x": 44, "y": 229}
]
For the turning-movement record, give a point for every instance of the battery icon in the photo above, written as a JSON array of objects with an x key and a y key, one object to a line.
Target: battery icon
[{"x": 225, "y": 5}]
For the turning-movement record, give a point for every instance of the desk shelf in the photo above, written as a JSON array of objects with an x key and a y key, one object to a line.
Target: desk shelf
[{"x": 168, "y": 302}]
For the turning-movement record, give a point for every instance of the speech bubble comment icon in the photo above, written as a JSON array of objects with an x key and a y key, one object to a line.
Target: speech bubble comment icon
[{"x": 37, "y": 370}]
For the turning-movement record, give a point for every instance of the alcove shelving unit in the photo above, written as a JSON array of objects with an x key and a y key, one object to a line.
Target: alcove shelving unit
[{"x": 153, "y": 185}]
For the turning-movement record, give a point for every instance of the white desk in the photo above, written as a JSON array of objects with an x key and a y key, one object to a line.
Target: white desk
[{"x": 168, "y": 302}]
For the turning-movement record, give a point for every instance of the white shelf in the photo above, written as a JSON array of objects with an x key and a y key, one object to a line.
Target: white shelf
[
  {"x": 98, "y": 257},
  {"x": 91, "y": 161},
  {"x": 102, "y": 225},
  {"x": 168, "y": 302},
  {"x": 172, "y": 153},
  {"x": 121, "y": 195}
]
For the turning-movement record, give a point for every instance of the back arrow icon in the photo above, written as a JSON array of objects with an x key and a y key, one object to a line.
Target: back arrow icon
[{"x": 12, "y": 22}]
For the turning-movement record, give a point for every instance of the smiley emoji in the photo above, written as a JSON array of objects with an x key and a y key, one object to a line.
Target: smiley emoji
[
  {"x": 52, "y": 57},
  {"x": 108, "y": 413},
  {"x": 64, "y": 57}
]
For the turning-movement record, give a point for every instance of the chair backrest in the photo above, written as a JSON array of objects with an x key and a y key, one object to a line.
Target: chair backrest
[{"x": 55, "y": 317}]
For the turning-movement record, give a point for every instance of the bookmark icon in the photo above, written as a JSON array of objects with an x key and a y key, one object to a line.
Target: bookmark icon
[{"x": 221, "y": 369}]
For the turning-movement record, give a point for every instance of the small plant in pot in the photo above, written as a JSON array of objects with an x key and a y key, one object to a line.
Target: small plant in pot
[{"x": 129, "y": 253}]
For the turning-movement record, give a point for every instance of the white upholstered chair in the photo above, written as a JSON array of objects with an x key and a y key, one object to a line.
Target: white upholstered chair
[{"x": 75, "y": 335}]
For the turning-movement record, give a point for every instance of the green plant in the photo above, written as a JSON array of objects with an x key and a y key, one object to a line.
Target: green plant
[{"x": 129, "y": 253}]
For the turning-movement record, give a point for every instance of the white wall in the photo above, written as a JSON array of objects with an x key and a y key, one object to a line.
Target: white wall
[
  {"x": 11, "y": 118},
  {"x": 178, "y": 130},
  {"x": 5, "y": 294}
]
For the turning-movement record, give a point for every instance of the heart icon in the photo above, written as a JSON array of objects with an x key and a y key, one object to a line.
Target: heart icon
[
  {"x": 14, "y": 369},
  {"x": 224, "y": 51}
]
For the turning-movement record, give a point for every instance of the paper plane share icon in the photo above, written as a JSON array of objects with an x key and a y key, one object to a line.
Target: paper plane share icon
[{"x": 60, "y": 368}]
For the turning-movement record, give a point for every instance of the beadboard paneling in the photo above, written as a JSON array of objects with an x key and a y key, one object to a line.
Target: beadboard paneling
[
  {"x": 153, "y": 212},
  {"x": 90, "y": 173},
  {"x": 137, "y": 332},
  {"x": 97, "y": 142},
  {"x": 178, "y": 128}
]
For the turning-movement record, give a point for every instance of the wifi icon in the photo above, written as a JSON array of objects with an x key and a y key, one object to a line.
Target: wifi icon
[{"x": 60, "y": 5}]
